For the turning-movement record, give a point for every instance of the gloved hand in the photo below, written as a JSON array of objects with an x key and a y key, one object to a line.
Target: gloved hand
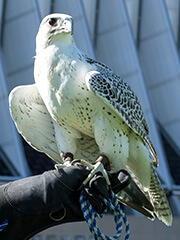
[
  {"x": 33, "y": 204},
  {"x": 39, "y": 202},
  {"x": 97, "y": 186}
]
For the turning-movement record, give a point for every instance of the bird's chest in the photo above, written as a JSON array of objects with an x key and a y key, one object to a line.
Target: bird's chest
[{"x": 63, "y": 89}]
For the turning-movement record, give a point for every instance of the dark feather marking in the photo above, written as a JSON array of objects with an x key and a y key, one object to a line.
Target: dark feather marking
[{"x": 119, "y": 94}]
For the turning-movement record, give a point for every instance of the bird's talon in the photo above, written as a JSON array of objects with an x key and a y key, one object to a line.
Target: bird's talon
[
  {"x": 59, "y": 166},
  {"x": 105, "y": 161},
  {"x": 97, "y": 167},
  {"x": 77, "y": 162},
  {"x": 68, "y": 156}
]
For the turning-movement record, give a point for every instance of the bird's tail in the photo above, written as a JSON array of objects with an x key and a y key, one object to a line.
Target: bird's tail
[
  {"x": 149, "y": 201},
  {"x": 133, "y": 197},
  {"x": 159, "y": 200}
]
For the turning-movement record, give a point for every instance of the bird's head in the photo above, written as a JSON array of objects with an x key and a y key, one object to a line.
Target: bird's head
[{"x": 53, "y": 28}]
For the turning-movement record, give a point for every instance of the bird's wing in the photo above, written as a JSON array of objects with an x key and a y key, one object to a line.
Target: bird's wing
[
  {"x": 35, "y": 124},
  {"x": 117, "y": 94},
  {"x": 33, "y": 120}
]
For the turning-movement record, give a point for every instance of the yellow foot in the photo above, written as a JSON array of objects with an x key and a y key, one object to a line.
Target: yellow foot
[
  {"x": 62, "y": 165},
  {"x": 67, "y": 158},
  {"x": 99, "y": 166}
]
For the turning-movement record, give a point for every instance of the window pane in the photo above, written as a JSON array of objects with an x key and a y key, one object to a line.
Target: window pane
[
  {"x": 79, "y": 237},
  {"x": 65, "y": 237},
  {"x": 51, "y": 237},
  {"x": 37, "y": 237}
]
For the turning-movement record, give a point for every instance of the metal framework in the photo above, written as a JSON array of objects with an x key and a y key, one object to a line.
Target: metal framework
[{"x": 115, "y": 42}]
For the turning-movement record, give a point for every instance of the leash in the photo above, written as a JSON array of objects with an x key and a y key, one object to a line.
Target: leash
[{"x": 90, "y": 216}]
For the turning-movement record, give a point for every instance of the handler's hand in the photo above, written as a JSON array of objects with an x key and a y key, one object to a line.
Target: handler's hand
[{"x": 33, "y": 204}]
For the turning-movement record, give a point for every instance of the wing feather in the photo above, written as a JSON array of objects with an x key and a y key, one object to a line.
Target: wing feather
[
  {"x": 35, "y": 124},
  {"x": 118, "y": 95},
  {"x": 33, "y": 120}
]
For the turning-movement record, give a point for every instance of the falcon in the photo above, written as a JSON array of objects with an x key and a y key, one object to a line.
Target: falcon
[{"x": 79, "y": 108}]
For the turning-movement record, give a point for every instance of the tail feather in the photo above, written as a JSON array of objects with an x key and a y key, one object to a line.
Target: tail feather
[
  {"x": 133, "y": 197},
  {"x": 159, "y": 200},
  {"x": 150, "y": 201}
]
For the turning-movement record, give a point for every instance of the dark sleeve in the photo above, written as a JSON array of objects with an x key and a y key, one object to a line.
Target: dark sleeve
[{"x": 32, "y": 204}]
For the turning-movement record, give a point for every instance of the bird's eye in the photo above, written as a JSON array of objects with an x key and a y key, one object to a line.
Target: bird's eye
[{"x": 52, "y": 21}]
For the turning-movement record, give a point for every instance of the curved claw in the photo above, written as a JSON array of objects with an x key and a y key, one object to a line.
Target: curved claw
[
  {"x": 97, "y": 167},
  {"x": 103, "y": 158},
  {"x": 67, "y": 157}
]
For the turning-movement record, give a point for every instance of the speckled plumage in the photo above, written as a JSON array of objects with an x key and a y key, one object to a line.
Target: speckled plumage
[{"x": 81, "y": 106}]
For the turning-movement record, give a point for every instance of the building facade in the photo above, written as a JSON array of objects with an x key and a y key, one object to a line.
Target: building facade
[{"x": 138, "y": 39}]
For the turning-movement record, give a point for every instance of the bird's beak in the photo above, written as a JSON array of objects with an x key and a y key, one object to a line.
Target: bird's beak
[{"x": 69, "y": 26}]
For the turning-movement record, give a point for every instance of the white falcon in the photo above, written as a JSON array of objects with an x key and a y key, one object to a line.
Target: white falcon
[{"x": 80, "y": 107}]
